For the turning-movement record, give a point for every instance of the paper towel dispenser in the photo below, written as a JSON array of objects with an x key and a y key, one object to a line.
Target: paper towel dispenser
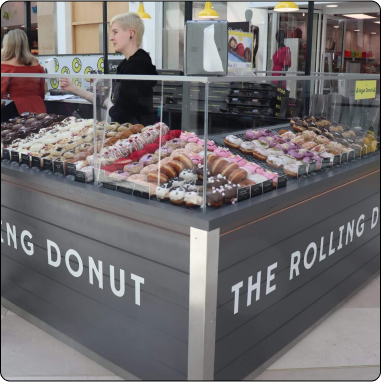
[{"x": 206, "y": 48}]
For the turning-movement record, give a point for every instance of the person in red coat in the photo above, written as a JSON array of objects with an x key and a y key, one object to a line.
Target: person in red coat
[
  {"x": 281, "y": 58},
  {"x": 27, "y": 93}
]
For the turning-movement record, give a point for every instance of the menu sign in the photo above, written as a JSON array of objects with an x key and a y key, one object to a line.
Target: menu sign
[
  {"x": 302, "y": 170},
  {"x": 344, "y": 158},
  {"x": 15, "y": 156},
  {"x": 126, "y": 187},
  {"x": 59, "y": 167},
  {"x": 243, "y": 193},
  {"x": 48, "y": 165},
  {"x": 36, "y": 162},
  {"x": 351, "y": 155},
  {"x": 268, "y": 186},
  {"x": 71, "y": 168},
  {"x": 6, "y": 154},
  {"x": 282, "y": 181},
  {"x": 337, "y": 160},
  {"x": 256, "y": 190},
  {"x": 80, "y": 176},
  {"x": 326, "y": 162},
  {"x": 25, "y": 159},
  {"x": 312, "y": 167}
]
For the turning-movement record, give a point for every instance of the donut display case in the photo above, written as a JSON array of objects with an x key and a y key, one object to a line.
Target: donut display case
[{"x": 191, "y": 251}]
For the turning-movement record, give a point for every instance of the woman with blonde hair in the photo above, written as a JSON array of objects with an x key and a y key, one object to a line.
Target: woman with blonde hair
[
  {"x": 132, "y": 100},
  {"x": 27, "y": 93}
]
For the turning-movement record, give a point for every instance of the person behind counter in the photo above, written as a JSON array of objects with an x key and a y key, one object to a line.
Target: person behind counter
[
  {"x": 132, "y": 100},
  {"x": 27, "y": 93}
]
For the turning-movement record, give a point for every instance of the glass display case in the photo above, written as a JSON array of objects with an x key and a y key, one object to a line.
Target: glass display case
[{"x": 153, "y": 143}]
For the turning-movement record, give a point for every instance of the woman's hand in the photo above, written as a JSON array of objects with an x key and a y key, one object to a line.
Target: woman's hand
[{"x": 67, "y": 85}]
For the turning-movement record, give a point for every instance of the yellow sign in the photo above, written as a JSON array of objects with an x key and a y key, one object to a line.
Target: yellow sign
[{"x": 365, "y": 89}]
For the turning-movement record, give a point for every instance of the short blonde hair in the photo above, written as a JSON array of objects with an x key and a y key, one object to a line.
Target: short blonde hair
[
  {"x": 130, "y": 20},
  {"x": 15, "y": 45}
]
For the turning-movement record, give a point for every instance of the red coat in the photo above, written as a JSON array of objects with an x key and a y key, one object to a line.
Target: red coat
[{"x": 27, "y": 93}]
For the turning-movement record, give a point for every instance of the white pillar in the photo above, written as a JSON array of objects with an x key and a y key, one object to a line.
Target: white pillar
[{"x": 63, "y": 22}]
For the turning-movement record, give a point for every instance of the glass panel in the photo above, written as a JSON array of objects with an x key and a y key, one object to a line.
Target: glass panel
[{"x": 149, "y": 137}]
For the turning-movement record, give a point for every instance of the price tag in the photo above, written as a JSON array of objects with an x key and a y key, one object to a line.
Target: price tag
[
  {"x": 110, "y": 184},
  {"x": 36, "y": 162},
  {"x": 312, "y": 167},
  {"x": 351, "y": 155},
  {"x": 282, "y": 181},
  {"x": 80, "y": 176},
  {"x": 126, "y": 187},
  {"x": 268, "y": 186},
  {"x": 15, "y": 156},
  {"x": 59, "y": 167},
  {"x": 344, "y": 158},
  {"x": 302, "y": 170},
  {"x": 326, "y": 162},
  {"x": 25, "y": 159},
  {"x": 142, "y": 191},
  {"x": 243, "y": 193},
  {"x": 48, "y": 165},
  {"x": 256, "y": 190},
  {"x": 6, "y": 154},
  {"x": 71, "y": 168},
  {"x": 337, "y": 160}
]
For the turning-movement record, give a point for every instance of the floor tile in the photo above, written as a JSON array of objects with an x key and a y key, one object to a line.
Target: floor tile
[
  {"x": 39, "y": 354},
  {"x": 349, "y": 337},
  {"x": 3, "y": 310},
  {"x": 325, "y": 374},
  {"x": 368, "y": 297}
]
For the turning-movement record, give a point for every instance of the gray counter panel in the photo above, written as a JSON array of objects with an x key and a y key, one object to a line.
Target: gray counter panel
[
  {"x": 259, "y": 236},
  {"x": 131, "y": 333},
  {"x": 113, "y": 350},
  {"x": 356, "y": 274}
]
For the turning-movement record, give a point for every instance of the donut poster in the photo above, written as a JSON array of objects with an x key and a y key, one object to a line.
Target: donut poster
[{"x": 240, "y": 50}]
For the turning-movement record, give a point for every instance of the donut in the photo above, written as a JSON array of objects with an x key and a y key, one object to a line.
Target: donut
[
  {"x": 168, "y": 170},
  {"x": 162, "y": 191},
  {"x": 229, "y": 168},
  {"x": 238, "y": 175},
  {"x": 151, "y": 168},
  {"x": 194, "y": 147},
  {"x": 291, "y": 170},
  {"x": 133, "y": 167},
  {"x": 151, "y": 148},
  {"x": 178, "y": 182},
  {"x": 199, "y": 171},
  {"x": 309, "y": 145},
  {"x": 188, "y": 175},
  {"x": 210, "y": 160},
  {"x": 283, "y": 131},
  {"x": 253, "y": 134},
  {"x": 185, "y": 160},
  {"x": 189, "y": 137},
  {"x": 233, "y": 141},
  {"x": 193, "y": 199},
  {"x": 247, "y": 147},
  {"x": 260, "y": 154},
  {"x": 155, "y": 177},
  {"x": 177, "y": 195},
  {"x": 178, "y": 166},
  {"x": 309, "y": 136},
  {"x": 230, "y": 193},
  {"x": 218, "y": 166},
  {"x": 237, "y": 159},
  {"x": 299, "y": 140},
  {"x": 214, "y": 197},
  {"x": 211, "y": 145},
  {"x": 195, "y": 158}
]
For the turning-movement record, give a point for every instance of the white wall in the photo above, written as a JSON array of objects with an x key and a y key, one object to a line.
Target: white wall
[
  {"x": 240, "y": 11},
  {"x": 63, "y": 22},
  {"x": 153, "y": 35}
]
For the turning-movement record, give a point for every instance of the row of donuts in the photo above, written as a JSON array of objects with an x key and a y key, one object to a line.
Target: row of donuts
[{"x": 26, "y": 124}]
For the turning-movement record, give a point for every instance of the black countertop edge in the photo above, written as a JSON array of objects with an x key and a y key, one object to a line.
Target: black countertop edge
[{"x": 224, "y": 218}]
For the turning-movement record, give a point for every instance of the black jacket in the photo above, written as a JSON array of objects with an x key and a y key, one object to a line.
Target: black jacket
[{"x": 133, "y": 99}]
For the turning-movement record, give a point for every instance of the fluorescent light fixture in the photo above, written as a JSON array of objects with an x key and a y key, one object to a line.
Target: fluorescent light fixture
[
  {"x": 22, "y": 26},
  {"x": 360, "y": 16},
  {"x": 376, "y": 22},
  {"x": 336, "y": 26},
  {"x": 373, "y": 33},
  {"x": 332, "y": 6},
  {"x": 357, "y": 30}
]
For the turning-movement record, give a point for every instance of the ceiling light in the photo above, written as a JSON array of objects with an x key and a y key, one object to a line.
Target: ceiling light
[
  {"x": 208, "y": 12},
  {"x": 373, "y": 33},
  {"x": 286, "y": 6},
  {"x": 376, "y": 22},
  {"x": 22, "y": 26},
  {"x": 360, "y": 16},
  {"x": 332, "y": 6},
  {"x": 142, "y": 13},
  {"x": 304, "y": 14},
  {"x": 357, "y": 30},
  {"x": 336, "y": 26}
]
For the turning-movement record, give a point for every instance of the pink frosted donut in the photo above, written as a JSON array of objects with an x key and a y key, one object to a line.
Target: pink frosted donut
[
  {"x": 211, "y": 144},
  {"x": 237, "y": 159},
  {"x": 178, "y": 152},
  {"x": 195, "y": 158},
  {"x": 254, "y": 134},
  {"x": 222, "y": 152},
  {"x": 194, "y": 147},
  {"x": 270, "y": 175},
  {"x": 189, "y": 137},
  {"x": 252, "y": 167},
  {"x": 137, "y": 177},
  {"x": 259, "y": 171}
]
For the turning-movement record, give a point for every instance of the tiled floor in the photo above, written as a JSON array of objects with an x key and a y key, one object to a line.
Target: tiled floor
[{"x": 346, "y": 346}]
